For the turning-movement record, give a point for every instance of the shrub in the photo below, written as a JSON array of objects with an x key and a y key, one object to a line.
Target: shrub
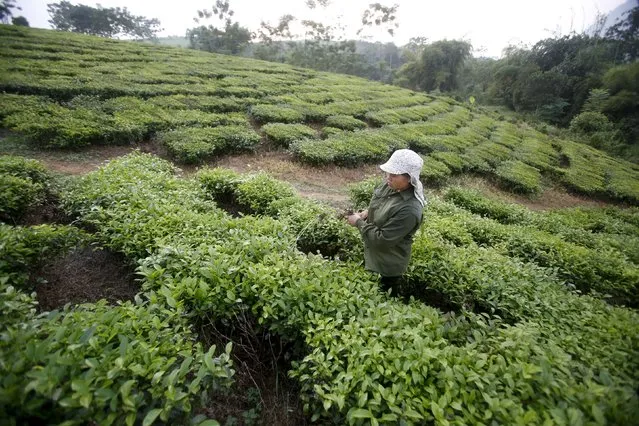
[
  {"x": 12, "y": 103},
  {"x": 16, "y": 196},
  {"x": 214, "y": 265},
  {"x": 275, "y": 113},
  {"x": 21, "y": 248},
  {"x": 218, "y": 182},
  {"x": 589, "y": 122},
  {"x": 328, "y": 132},
  {"x": 434, "y": 172},
  {"x": 23, "y": 183},
  {"x": 362, "y": 192},
  {"x": 475, "y": 202},
  {"x": 257, "y": 192},
  {"x": 317, "y": 228},
  {"x": 284, "y": 134},
  {"x": 345, "y": 122},
  {"x": 519, "y": 176},
  {"x": 62, "y": 127},
  {"x": 195, "y": 144},
  {"x": 98, "y": 363},
  {"x": 347, "y": 149},
  {"x": 451, "y": 159}
]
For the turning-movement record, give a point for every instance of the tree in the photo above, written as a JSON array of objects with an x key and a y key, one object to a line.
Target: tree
[
  {"x": 271, "y": 47},
  {"x": 6, "y": 11},
  {"x": 437, "y": 68},
  {"x": 622, "y": 82},
  {"x": 20, "y": 21},
  {"x": 230, "y": 39},
  {"x": 626, "y": 32},
  {"x": 380, "y": 16},
  {"x": 99, "y": 21},
  {"x": 221, "y": 9},
  {"x": 312, "y": 4}
]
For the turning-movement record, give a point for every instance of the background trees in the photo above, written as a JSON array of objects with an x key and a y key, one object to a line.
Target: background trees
[
  {"x": 99, "y": 21},
  {"x": 229, "y": 38},
  {"x": 6, "y": 12},
  {"x": 437, "y": 67}
]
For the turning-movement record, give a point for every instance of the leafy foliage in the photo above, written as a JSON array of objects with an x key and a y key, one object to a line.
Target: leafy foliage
[
  {"x": 57, "y": 95},
  {"x": 23, "y": 183},
  {"x": 519, "y": 176},
  {"x": 553, "y": 354},
  {"x": 195, "y": 145},
  {"x": 125, "y": 364},
  {"x": 104, "y": 22},
  {"x": 284, "y": 134},
  {"x": 24, "y": 247}
]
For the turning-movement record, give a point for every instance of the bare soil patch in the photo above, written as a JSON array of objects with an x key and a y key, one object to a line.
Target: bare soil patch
[
  {"x": 84, "y": 275},
  {"x": 262, "y": 393},
  {"x": 47, "y": 212}
]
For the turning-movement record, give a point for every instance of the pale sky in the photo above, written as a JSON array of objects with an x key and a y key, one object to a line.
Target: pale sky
[{"x": 490, "y": 25}]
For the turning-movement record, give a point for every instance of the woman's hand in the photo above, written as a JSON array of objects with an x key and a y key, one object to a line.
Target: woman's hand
[
  {"x": 352, "y": 219},
  {"x": 363, "y": 215}
]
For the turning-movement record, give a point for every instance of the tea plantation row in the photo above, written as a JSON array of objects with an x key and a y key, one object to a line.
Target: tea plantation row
[
  {"x": 522, "y": 348},
  {"x": 67, "y": 90}
]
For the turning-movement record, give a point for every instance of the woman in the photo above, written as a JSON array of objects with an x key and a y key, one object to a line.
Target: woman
[{"x": 393, "y": 216}]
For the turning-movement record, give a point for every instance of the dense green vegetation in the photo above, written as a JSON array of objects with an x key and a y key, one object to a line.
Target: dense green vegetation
[
  {"x": 23, "y": 184},
  {"x": 532, "y": 316},
  {"x": 524, "y": 343},
  {"x": 585, "y": 82},
  {"x": 66, "y": 90}
]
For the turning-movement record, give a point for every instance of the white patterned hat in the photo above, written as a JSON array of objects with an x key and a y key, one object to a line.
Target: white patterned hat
[{"x": 407, "y": 161}]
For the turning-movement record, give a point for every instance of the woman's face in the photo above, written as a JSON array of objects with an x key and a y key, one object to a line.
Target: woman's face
[{"x": 397, "y": 182}]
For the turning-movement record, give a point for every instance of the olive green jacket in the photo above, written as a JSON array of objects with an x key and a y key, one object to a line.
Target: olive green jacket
[{"x": 393, "y": 219}]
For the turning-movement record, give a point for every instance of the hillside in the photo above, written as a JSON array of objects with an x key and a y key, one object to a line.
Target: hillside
[
  {"x": 63, "y": 90},
  {"x": 251, "y": 303}
]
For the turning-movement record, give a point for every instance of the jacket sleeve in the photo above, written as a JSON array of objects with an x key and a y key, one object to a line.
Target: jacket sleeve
[{"x": 396, "y": 227}]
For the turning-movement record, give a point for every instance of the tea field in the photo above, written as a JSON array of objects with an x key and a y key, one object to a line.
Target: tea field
[
  {"x": 66, "y": 90},
  {"x": 507, "y": 316}
]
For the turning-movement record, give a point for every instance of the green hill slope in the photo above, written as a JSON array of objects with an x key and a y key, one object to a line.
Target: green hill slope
[{"x": 66, "y": 90}]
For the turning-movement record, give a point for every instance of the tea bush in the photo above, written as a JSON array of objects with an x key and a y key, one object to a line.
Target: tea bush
[
  {"x": 345, "y": 122},
  {"x": 317, "y": 228},
  {"x": 359, "y": 356},
  {"x": 62, "y": 93},
  {"x": 195, "y": 144},
  {"x": 275, "y": 114},
  {"x": 23, "y": 183},
  {"x": 474, "y": 202},
  {"x": 362, "y": 192},
  {"x": 257, "y": 192},
  {"x": 519, "y": 176},
  {"x": 21, "y": 248},
  {"x": 434, "y": 172},
  {"x": 284, "y": 134},
  {"x": 114, "y": 365}
]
